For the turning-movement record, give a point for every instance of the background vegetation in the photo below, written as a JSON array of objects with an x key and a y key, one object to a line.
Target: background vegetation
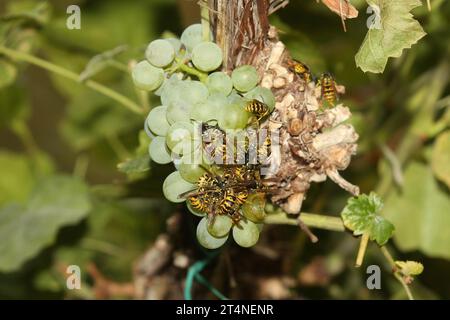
[{"x": 63, "y": 200}]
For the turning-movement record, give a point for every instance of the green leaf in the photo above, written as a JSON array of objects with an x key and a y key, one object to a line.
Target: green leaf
[
  {"x": 393, "y": 30},
  {"x": 26, "y": 229},
  {"x": 18, "y": 175},
  {"x": 100, "y": 62},
  {"x": 361, "y": 216},
  {"x": 409, "y": 268},
  {"x": 421, "y": 213},
  {"x": 440, "y": 161},
  {"x": 141, "y": 161},
  {"x": 91, "y": 117}
]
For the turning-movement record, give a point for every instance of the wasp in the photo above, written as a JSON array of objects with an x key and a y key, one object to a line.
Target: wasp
[
  {"x": 328, "y": 88},
  {"x": 200, "y": 203},
  {"x": 225, "y": 193},
  {"x": 257, "y": 108},
  {"x": 301, "y": 69}
]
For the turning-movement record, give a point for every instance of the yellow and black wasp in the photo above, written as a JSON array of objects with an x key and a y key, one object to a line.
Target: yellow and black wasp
[
  {"x": 301, "y": 69},
  {"x": 328, "y": 88},
  {"x": 257, "y": 108},
  {"x": 224, "y": 193}
]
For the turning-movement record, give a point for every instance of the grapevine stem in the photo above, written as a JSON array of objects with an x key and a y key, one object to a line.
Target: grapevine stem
[
  {"x": 397, "y": 276},
  {"x": 123, "y": 100},
  {"x": 204, "y": 13},
  {"x": 200, "y": 75},
  {"x": 362, "y": 249},
  {"x": 310, "y": 219}
]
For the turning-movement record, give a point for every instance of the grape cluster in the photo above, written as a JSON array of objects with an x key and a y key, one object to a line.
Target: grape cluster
[{"x": 185, "y": 74}]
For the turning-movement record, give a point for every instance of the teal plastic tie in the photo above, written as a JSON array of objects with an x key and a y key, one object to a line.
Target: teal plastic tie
[{"x": 194, "y": 274}]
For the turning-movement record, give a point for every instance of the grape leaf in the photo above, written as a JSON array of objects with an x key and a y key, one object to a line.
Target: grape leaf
[
  {"x": 26, "y": 229},
  {"x": 361, "y": 216},
  {"x": 409, "y": 268},
  {"x": 141, "y": 161},
  {"x": 392, "y": 30},
  {"x": 440, "y": 162},
  {"x": 100, "y": 62},
  {"x": 18, "y": 175},
  {"x": 421, "y": 213}
]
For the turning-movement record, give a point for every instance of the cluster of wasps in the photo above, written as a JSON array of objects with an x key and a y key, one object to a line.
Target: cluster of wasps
[
  {"x": 224, "y": 189},
  {"x": 325, "y": 81},
  {"x": 224, "y": 192}
]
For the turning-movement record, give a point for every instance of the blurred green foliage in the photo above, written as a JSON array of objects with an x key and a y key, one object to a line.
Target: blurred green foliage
[{"x": 62, "y": 142}]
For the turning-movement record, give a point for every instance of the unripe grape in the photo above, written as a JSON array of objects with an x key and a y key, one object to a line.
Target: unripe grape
[
  {"x": 206, "y": 239},
  {"x": 244, "y": 78},
  {"x": 179, "y": 137},
  {"x": 176, "y": 44},
  {"x": 158, "y": 151},
  {"x": 219, "y": 82},
  {"x": 191, "y": 171},
  {"x": 147, "y": 77},
  {"x": 174, "y": 185},
  {"x": 160, "y": 53},
  {"x": 208, "y": 110},
  {"x": 157, "y": 121},
  {"x": 192, "y": 36},
  {"x": 233, "y": 116},
  {"x": 253, "y": 208},
  {"x": 207, "y": 56},
  {"x": 184, "y": 96},
  {"x": 247, "y": 235},
  {"x": 221, "y": 226}
]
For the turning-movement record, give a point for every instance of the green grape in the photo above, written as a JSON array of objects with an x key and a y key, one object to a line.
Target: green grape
[
  {"x": 233, "y": 116},
  {"x": 194, "y": 211},
  {"x": 219, "y": 82},
  {"x": 192, "y": 36},
  {"x": 160, "y": 53},
  {"x": 184, "y": 96},
  {"x": 174, "y": 185},
  {"x": 247, "y": 235},
  {"x": 147, "y": 77},
  {"x": 168, "y": 87},
  {"x": 253, "y": 208},
  {"x": 157, "y": 121},
  {"x": 263, "y": 95},
  {"x": 207, "y": 56},
  {"x": 235, "y": 98},
  {"x": 180, "y": 136},
  {"x": 205, "y": 238},
  {"x": 191, "y": 171},
  {"x": 244, "y": 78},
  {"x": 203, "y": 112},
  {"x": 217, "y": 100},
  {"x": 208, "y": 110},
  {"x": 176, "y": 44},
  {"x": 158, "y": 151},
  {"x": 221, "y": 226}
]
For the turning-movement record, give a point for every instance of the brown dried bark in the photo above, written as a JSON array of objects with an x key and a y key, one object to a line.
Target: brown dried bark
[{"x": 313, "y": 144}]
